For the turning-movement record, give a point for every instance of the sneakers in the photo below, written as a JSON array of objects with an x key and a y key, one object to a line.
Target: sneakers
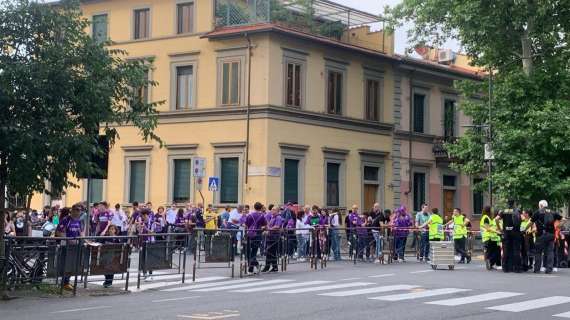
[
  {"x": 148, "y": 279},
  {"x": 68, "y": 287},
  {"x": 107, "y": 285}
]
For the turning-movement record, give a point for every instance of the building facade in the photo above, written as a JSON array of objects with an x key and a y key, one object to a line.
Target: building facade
[{"x": 278, "y": 113}]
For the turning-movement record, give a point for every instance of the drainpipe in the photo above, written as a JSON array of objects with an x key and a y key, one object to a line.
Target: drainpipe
[
  {"x": 248, "y": 115},
  {"x": 410, "y": 136}
]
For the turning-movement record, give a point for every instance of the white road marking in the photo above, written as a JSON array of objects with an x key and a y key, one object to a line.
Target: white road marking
[
  {"x": 328, "y": 287},
  {"x": 175, "y": 299},
  {"x": 284, "y": 286},
  {"x": 239, "y": 286},
  {"x": 531, "y": 304},
  {"x": 562, "y": 315},
  {"x": 154, "y": 285},
  {"x": 475, "y": 299},
  {"x": 82, "y": 309},
  {"x": 382, "y": 275},
  {"x": 421, "y": 271},
  {"x": 419, "y": 294},
  {"x": 133, "y": 279},
  {"x": 368, "y": 290},
  {"x": 208, "y": 285},
  {"x": 349, "y": 279},
  {"x": 202, "y": 317}
]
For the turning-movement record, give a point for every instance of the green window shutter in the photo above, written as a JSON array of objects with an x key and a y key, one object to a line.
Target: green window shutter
[
  {"x": 229, "y": 180},
  {"x": 333, "y": 184},
  {"x": 419, "y": 190},
  {"x": 181, "y": 184},
  {"x": 137, "y": 181},
  {"x": 99, "y": 28},
  {"x": 291, "y": 181},
  {"x": 419, "y": 113},
  {"x": 96, "y": 190}
]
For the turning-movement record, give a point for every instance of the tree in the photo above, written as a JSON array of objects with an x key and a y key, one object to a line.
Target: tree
[
  {"x": 60, "y": 89},
  {"x": 526, "y": 44}
]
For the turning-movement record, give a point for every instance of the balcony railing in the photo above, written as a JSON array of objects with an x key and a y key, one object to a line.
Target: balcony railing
[
  {"x": 439, "y": 150},
  {"x": 321, "y": 17}
]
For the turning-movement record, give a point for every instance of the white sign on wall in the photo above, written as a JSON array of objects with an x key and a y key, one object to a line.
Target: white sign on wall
[{"x": 199, "y": 167}]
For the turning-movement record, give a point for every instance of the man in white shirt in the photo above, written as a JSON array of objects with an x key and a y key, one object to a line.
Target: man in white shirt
[
  {"x": 120, "y": 220},
  {"x": 171, "y": 215}
]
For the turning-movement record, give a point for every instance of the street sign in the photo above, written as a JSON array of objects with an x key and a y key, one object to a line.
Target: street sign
[
  {"x": 199, "y": 167},
  {"x": 213, "y": 184},
  {"x": 489, "y": 155}
]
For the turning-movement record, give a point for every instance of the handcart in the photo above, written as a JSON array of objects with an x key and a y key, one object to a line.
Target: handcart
[{"x": 442, "y": 253}]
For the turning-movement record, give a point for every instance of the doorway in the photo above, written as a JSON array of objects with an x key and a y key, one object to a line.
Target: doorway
[
  {"x": 448, "y": 203},
  {"x": 370, "y": 192}
]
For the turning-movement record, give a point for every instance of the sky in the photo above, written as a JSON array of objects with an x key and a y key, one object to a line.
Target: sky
[{"x": 377, "y": 7}]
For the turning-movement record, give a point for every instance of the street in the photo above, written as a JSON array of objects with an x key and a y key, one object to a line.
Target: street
[{"x": 342, "y": 291}]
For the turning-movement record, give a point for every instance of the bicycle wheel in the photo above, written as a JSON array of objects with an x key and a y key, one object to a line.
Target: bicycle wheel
[{"x": 10, "y": 274}]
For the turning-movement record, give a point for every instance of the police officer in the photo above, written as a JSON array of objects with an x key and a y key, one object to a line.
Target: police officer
[{"x": 512, "y": 238}]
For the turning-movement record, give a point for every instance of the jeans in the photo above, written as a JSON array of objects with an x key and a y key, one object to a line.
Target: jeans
[
  {"x": 302, "y": 240},
  {"x": 378, "y": 240},
  {"x": 362, "y": 245},
  {"x": 544, "y": 247},
  {"x": 400, "y": 246},
  {"x": 335, "y": 243},
  {"x": 272, "y": 246},
  {"x": 254, "y": 243},
  {"x": 424, "y": 244}
]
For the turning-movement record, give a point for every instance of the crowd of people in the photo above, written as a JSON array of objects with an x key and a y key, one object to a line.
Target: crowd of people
[{"x": 514, "y": 240}]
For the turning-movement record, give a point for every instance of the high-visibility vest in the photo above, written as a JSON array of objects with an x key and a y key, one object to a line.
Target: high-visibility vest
[
  {"x": 487, "y": 235},
  {"x": 459, "y": 229},
  {"x": 435, "y": 227}
]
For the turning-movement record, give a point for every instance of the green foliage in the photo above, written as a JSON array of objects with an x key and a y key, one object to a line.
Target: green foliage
[
  {"x": 332, "y": 29},
  {"x": 58, "y": 90},
  {"x": 531, "y": 101}
]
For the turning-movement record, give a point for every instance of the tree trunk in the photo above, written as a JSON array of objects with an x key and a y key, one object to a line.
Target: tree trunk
[
  {"x": 3, "y": 176},
  {"x": 526, "y": 43}
]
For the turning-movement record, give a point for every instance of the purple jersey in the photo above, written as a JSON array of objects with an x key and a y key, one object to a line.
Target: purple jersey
[
  {"x": 402, "y": 221},
  {"x": 254, "y": 222},
  {"x": 103, "y": 219},
  {"x": 73, "y": 227},
  {"x": 276, "y": 222}
]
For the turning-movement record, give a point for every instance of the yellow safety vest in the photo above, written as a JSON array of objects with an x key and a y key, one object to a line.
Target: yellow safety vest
[
  {"x": 488, "y": 235},
  {"x": 459, "y": 229},
  {"x": 435, "y": 227}
]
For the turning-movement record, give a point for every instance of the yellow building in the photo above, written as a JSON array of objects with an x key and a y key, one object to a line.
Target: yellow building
[{"x": 279, "y": 112}]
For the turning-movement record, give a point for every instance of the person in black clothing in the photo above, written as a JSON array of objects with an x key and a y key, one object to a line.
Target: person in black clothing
[
  {"x": 512, "y": 238},
  {"x": 544, "y": 220}
]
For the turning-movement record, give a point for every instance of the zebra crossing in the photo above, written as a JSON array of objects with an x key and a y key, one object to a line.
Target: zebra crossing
[{"x": 371, "y": 289}]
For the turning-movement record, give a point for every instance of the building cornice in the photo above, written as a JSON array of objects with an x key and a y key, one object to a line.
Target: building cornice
[
  {"x": 276, "y": 113},
  {"x": 416, "y": 137}
]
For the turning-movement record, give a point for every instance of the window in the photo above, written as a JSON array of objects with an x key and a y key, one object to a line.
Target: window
[
  {"x": 334, "y": 92},
  {"x": 181, "y": 180},
  {"x": 291, "y": 181},
  {"x": 229, "y": 175},
  {"x": 96, "y": 190},
  {"x": 231, "y": 82},
  {"x": 333, "y": 184},
  {"x": 448, "y": 119},
  {"x": 419, "y": 192},
  {"x": 293, "y": 90},
  {"x": 478, "y": 198},
  {"x": 142, "y": 93},
  {"x": 142, "y": 23},
  {"x": 184, "y": 87},
  {"x": 419, "y": 113},
  {"x": 371, "y": 173},
  {"x": 99, "y": 28},
  {"x": 137, "y": 181},
  {"x": 449, "y": 181},
  {"x": 372, "y": 100},
  {"x": 185, "y": 17}
]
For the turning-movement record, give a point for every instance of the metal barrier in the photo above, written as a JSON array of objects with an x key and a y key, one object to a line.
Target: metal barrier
[{"x": 215, "y": 247}]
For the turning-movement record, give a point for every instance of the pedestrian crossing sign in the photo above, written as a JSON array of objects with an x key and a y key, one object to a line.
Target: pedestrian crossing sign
[{"x": 213, "y": 184}]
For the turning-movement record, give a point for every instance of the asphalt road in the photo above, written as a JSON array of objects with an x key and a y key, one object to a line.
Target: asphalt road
[{"x": 342, "y": 291}]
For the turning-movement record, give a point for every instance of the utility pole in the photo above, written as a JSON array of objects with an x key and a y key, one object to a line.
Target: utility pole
[{"x": 490, "y": 137}]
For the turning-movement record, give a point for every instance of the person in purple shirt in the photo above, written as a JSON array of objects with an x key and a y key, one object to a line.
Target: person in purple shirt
[
  {"x": 72, "y": 227},
  {"x": 274, "y": 227},
  {"x": 291, "y": 236},
  {"x": 402, "y": 223},
  {"x": 352, "y": 237},
  {"x": 254, "y": 223},
  {"x": 103, "y": 219}
]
